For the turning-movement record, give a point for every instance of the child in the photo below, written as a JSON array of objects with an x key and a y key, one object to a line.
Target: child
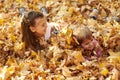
[
  {"x": 36, "y": 29},
  {"x": 86, "y": 40}
]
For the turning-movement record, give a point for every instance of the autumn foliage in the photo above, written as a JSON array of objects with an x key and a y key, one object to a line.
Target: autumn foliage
[{"x": 61, "y": 60}]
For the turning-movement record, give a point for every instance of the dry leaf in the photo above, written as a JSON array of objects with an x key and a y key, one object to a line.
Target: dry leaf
[
  {"x": 71, "y": 10},
  {"x": 74, "y": 78},
  {"x": 116, "y": 74},
  {"x": 10, "y": 70},
  {"x": 104, "y": 71},
  {"x": 66, "y": 72},
  {"x": 62, "y": 61}
]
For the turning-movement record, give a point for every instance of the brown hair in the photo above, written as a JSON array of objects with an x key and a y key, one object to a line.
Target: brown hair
[
  {"x": 28, "y": 37},
  {"x": 82, "y": 33}
]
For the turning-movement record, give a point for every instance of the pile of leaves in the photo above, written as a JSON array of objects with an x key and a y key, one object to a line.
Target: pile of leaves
[{"x": 60, "y": 60}]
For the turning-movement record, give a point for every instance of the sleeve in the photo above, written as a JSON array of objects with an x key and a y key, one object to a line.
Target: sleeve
[
  {"x": 98, "y": 48},
  {"x": 48, "y": 31}
]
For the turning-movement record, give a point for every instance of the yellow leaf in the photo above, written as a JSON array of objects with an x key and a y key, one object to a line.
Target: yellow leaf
[
  {"x": 1, "y": 21},
  {"x": 69, "y": 40},
  {"x": 1, "y": 42},
  {"x": 67, "y": 2},
  {"x": 2, "y": 73},
  {"x": 102, "y": 64},
  {"x": 76, "y": 40},
  {"x": 18, "y": 1},
  {"x": 80, "y": 67},
  {"x": 104, "y": 71},
  {"x": 114, "y": 56},
  {"x": 36, "y": 1},
  {"x": 71, "y": 10},
  {"x": 78, "y": 55},
  {"x": 80, "y": 1},
  {"x": 13, "y": 38},
  {"x": 9, "y": 72},
  {"x": 66, "y": 72},
  {"x": 73, "y": 78},
  {"x": 66, "y": 31},
  {"x": 103, "y": 13},
  {"x": 18, "y": 46},
  {"x": 24, "y": 66},
  {"x": 67, "y": 34},
  {"x": 11, "y": 61},
  {"x": 117, "y": 25},
  {"x": 34, "y": 54},
  {"x": 115, "y": 73},
  {"x": 33, "y": 6}
]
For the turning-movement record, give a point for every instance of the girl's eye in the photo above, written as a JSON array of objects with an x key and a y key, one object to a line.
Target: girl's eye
[
  {"x": 43, "y": 24},
  {"x": 86, "y": 43}
]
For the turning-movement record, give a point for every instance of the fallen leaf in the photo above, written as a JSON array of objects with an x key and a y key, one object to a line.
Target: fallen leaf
[
  {"x": 66, "y": 72},
  {"x": 104, "y": 71}
]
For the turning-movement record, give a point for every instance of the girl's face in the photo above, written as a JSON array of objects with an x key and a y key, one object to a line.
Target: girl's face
[
  {"x": 88, "y": 44},
  {"x": 40, "y": 27}
]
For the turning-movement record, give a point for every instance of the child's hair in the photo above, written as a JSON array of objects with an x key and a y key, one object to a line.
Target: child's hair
[
  {"x": 82, "y": 33},
  {"x": 28, "y": 37}
]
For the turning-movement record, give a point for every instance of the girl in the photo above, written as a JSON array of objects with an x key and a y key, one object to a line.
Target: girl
[
  {"x": 87, "y": 42},
  {"x": 34, "y": 29}
]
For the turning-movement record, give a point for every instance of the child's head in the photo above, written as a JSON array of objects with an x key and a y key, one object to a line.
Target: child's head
[
  {"x": 84, "y": 37},
  {"x": 33, "y": 27}
]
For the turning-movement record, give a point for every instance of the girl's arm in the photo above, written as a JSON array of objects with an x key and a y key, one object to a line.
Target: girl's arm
[{"x": 51, "y": 27}]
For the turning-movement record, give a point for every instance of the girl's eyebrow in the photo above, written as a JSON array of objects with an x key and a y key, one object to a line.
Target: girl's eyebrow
[{"x": 38, "y": 22}]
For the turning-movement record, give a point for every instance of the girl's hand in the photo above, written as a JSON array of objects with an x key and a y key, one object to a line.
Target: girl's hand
[
  {"x": 52, "y": 28},
  {"x": 55, "y": 25}
]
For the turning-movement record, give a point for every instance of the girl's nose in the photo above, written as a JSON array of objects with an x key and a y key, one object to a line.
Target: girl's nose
[{"x": 45, "y": 27}]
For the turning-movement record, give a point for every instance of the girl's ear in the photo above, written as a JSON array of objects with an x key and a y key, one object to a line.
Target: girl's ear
[{"x": 32, "y": 28}]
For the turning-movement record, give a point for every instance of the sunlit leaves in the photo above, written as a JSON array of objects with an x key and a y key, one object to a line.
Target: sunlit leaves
[
  {"x": 60, "y": 60},
  {"x": 18, "y": 46}
]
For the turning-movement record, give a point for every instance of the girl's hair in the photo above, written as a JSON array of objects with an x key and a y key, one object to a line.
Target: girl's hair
[
  {"x": 82, "y": 33},
  {"x": 28, "y": 37}
]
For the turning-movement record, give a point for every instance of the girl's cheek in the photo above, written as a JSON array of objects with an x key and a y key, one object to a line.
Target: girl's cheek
[
  {"x": 92, "y": 44},
  {"x": 85, "y": 46},
  {"x": 45, "y": 27},
  {"x": 89, "y": 46}
]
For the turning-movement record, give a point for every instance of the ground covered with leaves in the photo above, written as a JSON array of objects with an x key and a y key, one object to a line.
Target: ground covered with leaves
[{"x": 60, "y": 60}]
